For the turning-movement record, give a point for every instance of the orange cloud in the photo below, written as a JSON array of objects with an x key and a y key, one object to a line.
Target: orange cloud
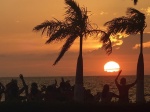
[
  {"x": 103, "y": 13},
  {"x": 145, "y": 45},
  {"x": 117, "y": 40},
  {"x": 147, "y": 10}
]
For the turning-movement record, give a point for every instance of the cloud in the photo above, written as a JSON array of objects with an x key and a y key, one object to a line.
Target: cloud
[
  {"x": 103, "y": 13},
  {"x": 129, "y": 44},
  {"x": 147, "y": 10},
  {"x": 136, "y": 46},
  {"x": 145, "y": 45},
  {"x": 117, "y": 40}
]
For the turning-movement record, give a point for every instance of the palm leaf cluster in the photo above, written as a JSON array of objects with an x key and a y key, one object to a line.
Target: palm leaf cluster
[
  {"x": 75, "y": 24},
  {"x": 133, "y": 23}
]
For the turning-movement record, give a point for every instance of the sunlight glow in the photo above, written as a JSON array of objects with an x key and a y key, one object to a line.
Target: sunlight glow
[{"x": 111, "y": 66}]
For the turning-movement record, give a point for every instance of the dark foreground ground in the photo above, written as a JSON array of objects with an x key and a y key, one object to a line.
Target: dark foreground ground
[{"x": 72, "y": 107}]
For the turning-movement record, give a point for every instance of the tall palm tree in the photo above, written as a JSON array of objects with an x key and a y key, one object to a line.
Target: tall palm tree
[
  {"x": 133, "y": 23},
  {"x": 75, "y": 25}
]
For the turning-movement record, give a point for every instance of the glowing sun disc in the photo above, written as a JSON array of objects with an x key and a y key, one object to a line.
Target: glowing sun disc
[{"x": 111, "y": 66}]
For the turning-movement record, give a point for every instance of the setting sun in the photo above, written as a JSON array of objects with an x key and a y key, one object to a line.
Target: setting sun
[{"x": 111, "y": 66}]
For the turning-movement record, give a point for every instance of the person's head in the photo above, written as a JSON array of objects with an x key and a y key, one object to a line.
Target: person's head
[
  {"x": 34, "y": 88},
  {"x": 14, "y": 83},
  {"x": 105, "y": 90},
  {"x": 106, "y": 87},
  {"x": 123, "y": 81},
  {"x": 34, "y": 85}
]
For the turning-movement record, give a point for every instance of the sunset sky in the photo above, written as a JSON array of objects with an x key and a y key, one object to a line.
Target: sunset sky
[{"x": 23, "y": 51}]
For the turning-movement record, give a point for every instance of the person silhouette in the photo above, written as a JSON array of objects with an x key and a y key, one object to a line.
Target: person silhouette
[
  {"x": 88, "y": 97},
  {"x": 2, "y": 90},
  {"x": 123, "y": 88},
  {"x": 97, "y": 97},
  {"x": 106, "y": 95},
  {"x": 35, "y": 94},
  {"x": 24, "y": 84},
  {"x": 13, "y": 92},
  {"x": 62, "y": 85}
]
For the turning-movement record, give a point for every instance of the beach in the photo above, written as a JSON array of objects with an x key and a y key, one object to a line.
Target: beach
[{"x": 72, "y": 107}]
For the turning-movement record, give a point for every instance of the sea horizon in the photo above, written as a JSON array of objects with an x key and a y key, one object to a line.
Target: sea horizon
[{"x": 71, "y": 76}]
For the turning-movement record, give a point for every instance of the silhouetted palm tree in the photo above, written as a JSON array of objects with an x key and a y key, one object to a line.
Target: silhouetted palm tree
[
  {"x": 133, "y": 23},
  {"x": 76, "y": 25}
]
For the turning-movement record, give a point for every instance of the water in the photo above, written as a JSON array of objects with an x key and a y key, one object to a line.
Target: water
[{"x": 94, "y": 83}]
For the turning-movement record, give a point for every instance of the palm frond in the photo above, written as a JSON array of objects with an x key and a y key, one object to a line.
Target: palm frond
[
  {"x": 94, "y": 32},
  {"x": 106, "y": 43},
  {"x": 117, "y": 25},
  {"x": 107, "y": 46},
  {"x": 73, "y": 9},
  {"x": 65, "y": 47},
  {"x": 133, "y": 23},
  {"x": 42, "y": 26},
  {"x": 60, "y": 34},
  {"x": 137, "y": 18},
  {"x": 55, "y": 30},
  {"x": 49, "y": 26},
  {"x": 57, "y": 36},
  {"x": 76, "y": 16}
]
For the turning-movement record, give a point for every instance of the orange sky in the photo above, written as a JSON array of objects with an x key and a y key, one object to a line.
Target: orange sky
[{"x": 24, "y": 51}]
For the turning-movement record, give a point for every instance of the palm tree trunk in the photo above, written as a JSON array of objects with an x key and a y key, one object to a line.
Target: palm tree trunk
[
  {"x": 140, "y": 74},
  {"x": 78, "y": 90}
]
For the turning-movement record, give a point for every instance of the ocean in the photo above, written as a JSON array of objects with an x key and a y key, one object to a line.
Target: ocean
[{"x": 94, "y": 83}]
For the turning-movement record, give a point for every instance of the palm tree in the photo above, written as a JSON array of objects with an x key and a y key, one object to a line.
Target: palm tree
[
  {"x": 75, "y": 25},
  {"x": 133, "y": 23}
]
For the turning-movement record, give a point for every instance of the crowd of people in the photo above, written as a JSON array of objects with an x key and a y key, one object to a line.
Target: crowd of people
[{"x": 63, "y": 92}]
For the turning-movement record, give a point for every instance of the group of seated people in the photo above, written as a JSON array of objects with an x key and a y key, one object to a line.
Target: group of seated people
[{"x": 64, "y": 92}]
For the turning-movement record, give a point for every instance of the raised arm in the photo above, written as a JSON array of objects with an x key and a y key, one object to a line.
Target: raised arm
[
  {"x": 24, "y": 84},
  {"x": 116, "y": 80},
  {"x": 131, "y": 85}
]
